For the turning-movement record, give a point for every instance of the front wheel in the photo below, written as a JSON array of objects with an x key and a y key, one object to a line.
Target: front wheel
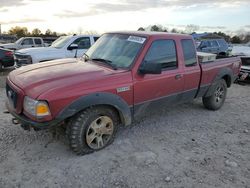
[
  {"x": 217, "y": 99},
  {"x": 92, "y": 129}
]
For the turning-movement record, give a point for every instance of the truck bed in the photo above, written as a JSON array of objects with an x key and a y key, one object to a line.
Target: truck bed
[{"x": 212, "y": 69}]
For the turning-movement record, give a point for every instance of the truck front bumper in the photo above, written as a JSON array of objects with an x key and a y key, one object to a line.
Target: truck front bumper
[
  {"x": 244, "y": 73},
  {"x": 27, "y": 123}
]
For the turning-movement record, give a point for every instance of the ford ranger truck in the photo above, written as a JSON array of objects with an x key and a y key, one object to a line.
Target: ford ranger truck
[{"x": 121, "y": 76}]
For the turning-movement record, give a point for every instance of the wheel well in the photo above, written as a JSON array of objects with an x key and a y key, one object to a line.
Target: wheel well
[
  {"x": 119, "y": 114},
  {"x": 227, "y": 78}
]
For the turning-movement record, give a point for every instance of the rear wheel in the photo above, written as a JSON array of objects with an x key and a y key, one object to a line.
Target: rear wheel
[
  {"x": 1, "y": 66},
  {"x": 217, "y": 99},
  {"x": 92, "y": 129}
]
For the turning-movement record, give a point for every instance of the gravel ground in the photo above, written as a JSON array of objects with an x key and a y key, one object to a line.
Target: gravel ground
[{"x": 182, "y": 146}]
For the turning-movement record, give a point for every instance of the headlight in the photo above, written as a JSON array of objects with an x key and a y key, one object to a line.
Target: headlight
[{"x": 36, "y": 108}]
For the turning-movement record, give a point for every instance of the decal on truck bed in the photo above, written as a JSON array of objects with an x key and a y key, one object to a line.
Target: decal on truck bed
[{"x": 136, "y": 39}]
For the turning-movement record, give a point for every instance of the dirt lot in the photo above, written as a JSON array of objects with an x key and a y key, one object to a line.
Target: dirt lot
[{"x": 182, "y": 146}]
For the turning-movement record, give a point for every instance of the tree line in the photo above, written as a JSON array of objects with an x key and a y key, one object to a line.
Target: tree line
[
  {"x": 190, "y": 29},
  {"x": 23, "y": 32}
]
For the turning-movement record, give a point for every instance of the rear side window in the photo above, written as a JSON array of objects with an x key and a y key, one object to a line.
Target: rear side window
[
  {"x": 163, "y": 52},
  {"x": 214, "y": 43},
  {"x": 189, "y": 52},
  {"x": 38, "y": 41},
  {"x": 222, "y": 42}
]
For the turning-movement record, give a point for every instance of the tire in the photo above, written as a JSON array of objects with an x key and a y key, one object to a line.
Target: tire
[
  {"x": 92, "y": 129},
  {"x": 1, "y": 67},
  {"x": 217, "y": 99}
]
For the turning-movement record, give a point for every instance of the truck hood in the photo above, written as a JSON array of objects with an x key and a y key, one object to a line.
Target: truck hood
[
  {"x": 9, "y": 45},
  {"x": 39, "y": 50},
  {"x": 37, "y": 79}
]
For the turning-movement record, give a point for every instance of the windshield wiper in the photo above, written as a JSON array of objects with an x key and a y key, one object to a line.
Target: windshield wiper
[{"x": 107, "y": 62}]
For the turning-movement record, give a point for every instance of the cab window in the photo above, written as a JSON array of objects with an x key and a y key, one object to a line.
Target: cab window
[
  {"x": 82, "y": 42},
  {"x": 27, "y": 42},
  {"x": 189, "y": 52},
  {"x": 38, "y": 41},
  {"x": 163, "y": 52}
]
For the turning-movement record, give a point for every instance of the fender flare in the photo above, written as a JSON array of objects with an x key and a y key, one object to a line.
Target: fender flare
[
  {"x": 100, "y": 98},
  {"x": 220, "y": 75}
]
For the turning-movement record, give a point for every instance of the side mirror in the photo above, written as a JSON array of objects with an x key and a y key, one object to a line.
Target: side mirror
[
  {"x": 73, "y": 47},
  {"x": 150, "y": 68}
]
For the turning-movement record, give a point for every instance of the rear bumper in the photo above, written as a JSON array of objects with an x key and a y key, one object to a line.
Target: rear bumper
[{"x": 28, "y": 123}]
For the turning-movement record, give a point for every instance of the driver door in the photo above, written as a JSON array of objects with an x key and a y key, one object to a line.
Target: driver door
[
  {"x": 83, "y": 45},
  {"x": 152, "y": 91}
]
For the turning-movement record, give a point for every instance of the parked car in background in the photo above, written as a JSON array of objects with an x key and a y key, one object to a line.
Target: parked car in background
[
  {"x": 245, "y": 68},
  {"x": 215, "y": 46},
  {"x": 63, "y": 47},
  {"x": 244, "y": 53},
  {"x": 25, "y": 42},
  {"x": 121, "y": 76},
  {"x": 6, "y": 58}
]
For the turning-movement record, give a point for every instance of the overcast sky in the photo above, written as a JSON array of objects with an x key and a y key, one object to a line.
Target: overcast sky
[{"x": 101, "y": 16}]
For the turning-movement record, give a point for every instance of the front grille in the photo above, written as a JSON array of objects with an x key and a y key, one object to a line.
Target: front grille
[
  {"x": 245, "y": 60},
  {"x": 20, "y": 56},
  {"x": 12, "y": 95},
  {"x": 21, "y": 59},
  {"x": 245, "y": 70}
]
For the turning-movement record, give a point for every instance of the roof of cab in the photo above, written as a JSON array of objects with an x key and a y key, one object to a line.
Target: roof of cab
[{"x": 152, "y": 33}]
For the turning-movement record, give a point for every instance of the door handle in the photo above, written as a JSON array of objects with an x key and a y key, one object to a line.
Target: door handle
[{"x": 178, "y": 76}]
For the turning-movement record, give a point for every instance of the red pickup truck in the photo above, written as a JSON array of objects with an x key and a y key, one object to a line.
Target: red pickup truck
[{"x": 122, "y": 75}]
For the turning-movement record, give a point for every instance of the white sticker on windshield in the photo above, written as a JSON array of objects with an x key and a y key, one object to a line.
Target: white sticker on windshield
[{"x": 140, "y": 40}]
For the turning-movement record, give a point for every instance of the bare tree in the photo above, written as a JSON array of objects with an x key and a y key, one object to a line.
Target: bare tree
[
  {"x": 141, "y": 29},
  {"x": 191, "y": 28},
  {"x": 36, "y": 32}
]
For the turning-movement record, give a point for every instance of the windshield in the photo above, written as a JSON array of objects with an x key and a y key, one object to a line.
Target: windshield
[
  {"x": 19, "y": 41},
  {"x": 118, "y": 49},
  {"x": 60, "y": 42}
]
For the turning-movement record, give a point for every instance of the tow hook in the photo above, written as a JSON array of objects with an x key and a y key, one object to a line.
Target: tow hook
[
  {"x": 25, "y": 127},
  {"x": 6, "y": 112},
  {"x": 15, "y": 121}
]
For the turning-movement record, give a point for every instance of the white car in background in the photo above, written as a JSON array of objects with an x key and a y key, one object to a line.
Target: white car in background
[
  {"x": 63, "y": 47},
  {"x": 25, "y": 42},
  {"x": 241, "y": 50},
  {"x": 244, "y": 52}
]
